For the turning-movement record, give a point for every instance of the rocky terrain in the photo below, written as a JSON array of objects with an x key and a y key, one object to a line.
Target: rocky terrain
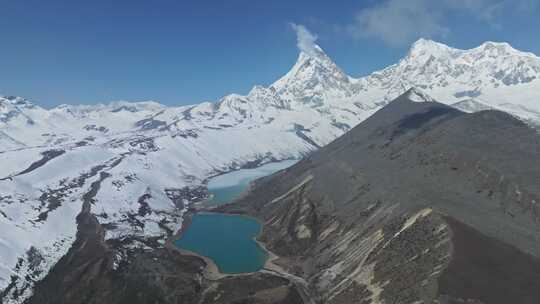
[
  {"x": 135, "y": 168},
  {"x": 88, "y": 274},
  {"x": 420, "y": 203}
]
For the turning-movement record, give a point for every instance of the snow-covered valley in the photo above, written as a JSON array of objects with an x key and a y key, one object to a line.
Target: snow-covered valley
[{"x": 140, "y": 164}]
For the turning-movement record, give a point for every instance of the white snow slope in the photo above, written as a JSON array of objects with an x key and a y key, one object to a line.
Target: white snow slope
[{"x": 143, "y": 155}]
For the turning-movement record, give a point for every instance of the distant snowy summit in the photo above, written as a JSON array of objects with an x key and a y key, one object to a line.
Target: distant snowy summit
[{"x": 493, "y": 75}]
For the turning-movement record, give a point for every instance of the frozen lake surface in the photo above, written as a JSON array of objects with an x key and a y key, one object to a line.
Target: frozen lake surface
[{"x": 224, "y": 188}]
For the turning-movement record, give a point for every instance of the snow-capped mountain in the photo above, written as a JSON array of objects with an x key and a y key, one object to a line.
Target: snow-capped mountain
[
  {"x": 494, "y": 74},
  {"x": 137, "y": 165}
]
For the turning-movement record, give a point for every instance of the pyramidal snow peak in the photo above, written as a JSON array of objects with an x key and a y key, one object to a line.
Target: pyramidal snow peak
[
  {"x": 313, "y": 78},
  {"x": 109, "y": 160}
]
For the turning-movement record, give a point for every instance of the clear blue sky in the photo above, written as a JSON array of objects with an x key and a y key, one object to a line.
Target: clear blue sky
[{"x": 187, "y": 51}]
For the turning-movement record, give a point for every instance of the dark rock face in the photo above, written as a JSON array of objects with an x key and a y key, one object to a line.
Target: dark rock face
[
  {"x": 150, "y": 124},
  {"x": 46, "y": 157},
  {"x": 514, "y": 276},
  {"x": 258, "y": 288},
  {"x": 93, "y": 127},
  {"x": 419, "y": 203},
  {"x": 301, "y": 131}
]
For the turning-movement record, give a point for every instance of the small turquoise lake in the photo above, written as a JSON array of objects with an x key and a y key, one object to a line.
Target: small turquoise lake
[{"x": 229, "y": 240}]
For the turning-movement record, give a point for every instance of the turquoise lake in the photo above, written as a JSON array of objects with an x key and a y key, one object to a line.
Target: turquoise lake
[{"x": 229, "y": 239}]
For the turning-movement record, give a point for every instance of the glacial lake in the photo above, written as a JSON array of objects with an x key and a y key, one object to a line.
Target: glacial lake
[
  {"x": 226, "y": 187},
  {"x": 226, "y": 239},
  {"x": 229, "y": 240}
]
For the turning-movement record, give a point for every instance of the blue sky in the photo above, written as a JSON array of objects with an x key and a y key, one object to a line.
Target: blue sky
[{"x": 184, "y": 52}]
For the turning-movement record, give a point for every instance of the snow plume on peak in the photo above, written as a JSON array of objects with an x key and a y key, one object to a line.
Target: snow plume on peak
[{"x": 305, "y": 40}]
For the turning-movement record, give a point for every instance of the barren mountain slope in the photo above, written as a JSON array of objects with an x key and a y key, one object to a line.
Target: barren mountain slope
[{"x": 420, "y": 202}]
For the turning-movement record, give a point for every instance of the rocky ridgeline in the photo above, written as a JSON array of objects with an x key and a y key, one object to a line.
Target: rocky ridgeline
[{"x": 419, "y": 203}]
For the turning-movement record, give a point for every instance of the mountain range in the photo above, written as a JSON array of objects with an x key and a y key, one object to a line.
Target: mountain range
[{"x": 136, "y": 167}]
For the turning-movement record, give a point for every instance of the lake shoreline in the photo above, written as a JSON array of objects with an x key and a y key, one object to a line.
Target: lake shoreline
[
  {"x": 212, "y": 271},
  {"x": 209, "y": 202}
]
